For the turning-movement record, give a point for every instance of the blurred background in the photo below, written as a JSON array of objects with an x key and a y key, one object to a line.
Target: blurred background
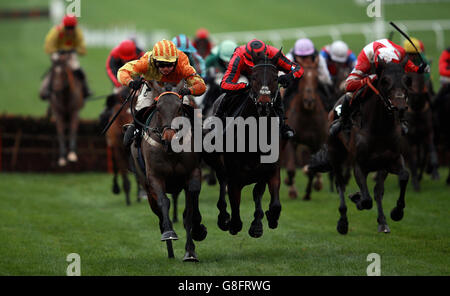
[{"x": 107, "y": 22}]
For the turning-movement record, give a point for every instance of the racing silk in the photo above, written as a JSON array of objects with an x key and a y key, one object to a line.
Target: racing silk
[
  {"x": 444, "y": 66},
  {"x": 145, "y": 68},
  {"x": 238, "y": 66},
  {"x": 58, "y": 39},
  {"x": 350, "y": 62},
  {"x": 114, "y": 63},
  {"x": 324, "y": 74},
  {"x": 365, "y": 63}
]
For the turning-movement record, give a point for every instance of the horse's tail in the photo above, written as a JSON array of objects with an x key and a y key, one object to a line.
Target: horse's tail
[{"x": 320, "y": 161}]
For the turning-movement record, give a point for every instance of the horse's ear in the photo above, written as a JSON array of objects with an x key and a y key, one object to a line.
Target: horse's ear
[
  {"x": 156, "y": 87},
  {"x": 179, "y": 86},
  {"x": 277, "y": 56}
]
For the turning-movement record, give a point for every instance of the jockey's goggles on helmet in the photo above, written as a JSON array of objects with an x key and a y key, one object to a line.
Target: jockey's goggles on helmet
[{"x": 162, "y": 64}]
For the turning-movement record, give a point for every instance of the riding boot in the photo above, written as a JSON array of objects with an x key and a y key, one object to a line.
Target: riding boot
[
  {"x": 79, "y": 73},
  {"x": 132, "y": 130},
  {"x": 286, "y": 131},
  {"x": 344, "y": 119}
]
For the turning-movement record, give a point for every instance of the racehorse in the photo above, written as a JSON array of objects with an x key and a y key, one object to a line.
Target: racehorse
[
  {"x": 443, "y": 126},
  {"x": 373, "y": 145},
  {"x": 420, "y": 135},
  {"x": 243, "y": 168},
  {"x": 114, "y": 141},
  {"x": 306, "y": 115},
  {"x": 66, "y": 100},
  {"x": 169, "y": 172}
]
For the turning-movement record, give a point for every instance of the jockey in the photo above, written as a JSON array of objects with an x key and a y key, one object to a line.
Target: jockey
[
  {"x": 417, "y": 56},
  {"x": 183, "y": 43},
  {"x": 165, "y": 63},
  {"x": 338, "y": 53},
  {"x": 444, "y": 71},
  {"x": 65, "y": 37},
  {"x": 302, "y": 50},
  {"x": 364, "y": 71},
  {"x": 120, "y": 55},
  {"x": 220, "y": 56},
  {"x": 202, "y": 42},
  {"x": 241, "y": 63},
  {"x": 216, "y": 65}
]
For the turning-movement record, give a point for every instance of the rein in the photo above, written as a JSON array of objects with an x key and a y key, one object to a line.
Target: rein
[{"x": 386, "y": 101}]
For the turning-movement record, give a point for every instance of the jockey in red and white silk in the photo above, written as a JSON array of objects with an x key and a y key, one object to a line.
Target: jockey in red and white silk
[{"x": 386, "y": 50}]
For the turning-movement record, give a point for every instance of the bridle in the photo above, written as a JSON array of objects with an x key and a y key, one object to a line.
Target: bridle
[
  {"x": 264, "y": 89},
  {"x": 158, "y": 131}
]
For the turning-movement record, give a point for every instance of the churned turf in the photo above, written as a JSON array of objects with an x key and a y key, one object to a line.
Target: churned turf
[{"x": 45, "y": 217}]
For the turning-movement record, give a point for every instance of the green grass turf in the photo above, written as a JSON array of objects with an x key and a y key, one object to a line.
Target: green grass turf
[
  {"x": 45, "y": 217},
  {"x": 23, "y": 60}
]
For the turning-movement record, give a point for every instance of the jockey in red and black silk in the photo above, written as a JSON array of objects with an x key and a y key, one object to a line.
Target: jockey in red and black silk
[{"x": 241, "y": 64}]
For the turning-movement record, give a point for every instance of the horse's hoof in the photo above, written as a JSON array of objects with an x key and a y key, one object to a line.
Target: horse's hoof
[
  {"x": 435, "y": 176},
  {"x": 272, "y": 217},
  {"x": 366, "y": 204},
  {"x": 199, "y": 233},
  {"x": 190, "y": 257},
  {"x": 256, "y": 229},
  {"x": 128, "y": 202},
  {"x": 116, "y": 188},
  {"x": 235, "y": 227},
  {"x": 293, "y": 193},
  {"x": 169, "y": 235},
  {"x": 72, "y": 156},
  {"x": 397, "y": 214},
  {"x": 223, "y": 222},
  {"x": 307, "y": 197},
  {"x": 318, "y": 185},
  {"x": 342, "y": 226},
  {"x": 383, "y": 228},
  {"x": 62, "y": 162},
  {"x": 355, "y": 197}
]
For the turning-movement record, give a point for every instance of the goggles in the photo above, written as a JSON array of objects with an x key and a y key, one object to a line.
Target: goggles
[{"x": 160, "y": 64}]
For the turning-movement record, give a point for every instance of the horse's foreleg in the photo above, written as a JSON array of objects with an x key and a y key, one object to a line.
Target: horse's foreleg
[
  {"x": 126, "y": 186},
  {"x": 74, "y": 122},
  {"x": 234, "y": 195},
  {"x": 175, "y": 207},
  {"x": 157, "y": 191},
  {"x": 365, "y": 201},
  {"x": 223, "y": 220},
  {"x": 273, "y": 214},
  {"x": 290, "y": 168},
  {"x": 116, "y": 188},
  {"x": 414, "y": 156},
  {"x": 403, "y": 175},
  {"x": 199, "y": 231},
  {"x": 256, "y": 228},
  {"x": 434, "y": 162},
  {"x": 379, "y": 192},
  {"x": 60, "y": 127},
  {"x": 342, "y": 225},
  {"x": 307, "y": 195}
]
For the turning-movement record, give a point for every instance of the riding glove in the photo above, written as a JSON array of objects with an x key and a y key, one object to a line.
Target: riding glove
[
  {"x": 285, "y": 79},
  {"x": 423, "y": 68},
  {"x": 184, "y": 92},
  {"x": 135, "y": 84}
]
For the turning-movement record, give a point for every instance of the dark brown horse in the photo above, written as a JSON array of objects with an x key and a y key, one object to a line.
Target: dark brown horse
[
  {"x": 308, "y": 117},
  {"x": 66, "y": 100},
  {"x": 422, "y": 150},
  {"x": 169, "y": 172},
  {"x": 373, "y": 145},
  {"x": 441, "y": 111},
  {"x": 114, "y": 141},
  {"x": 244, "y": 168}
]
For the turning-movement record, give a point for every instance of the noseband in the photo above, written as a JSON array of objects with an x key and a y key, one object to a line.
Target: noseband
[{"x": 264, "y": 89}]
